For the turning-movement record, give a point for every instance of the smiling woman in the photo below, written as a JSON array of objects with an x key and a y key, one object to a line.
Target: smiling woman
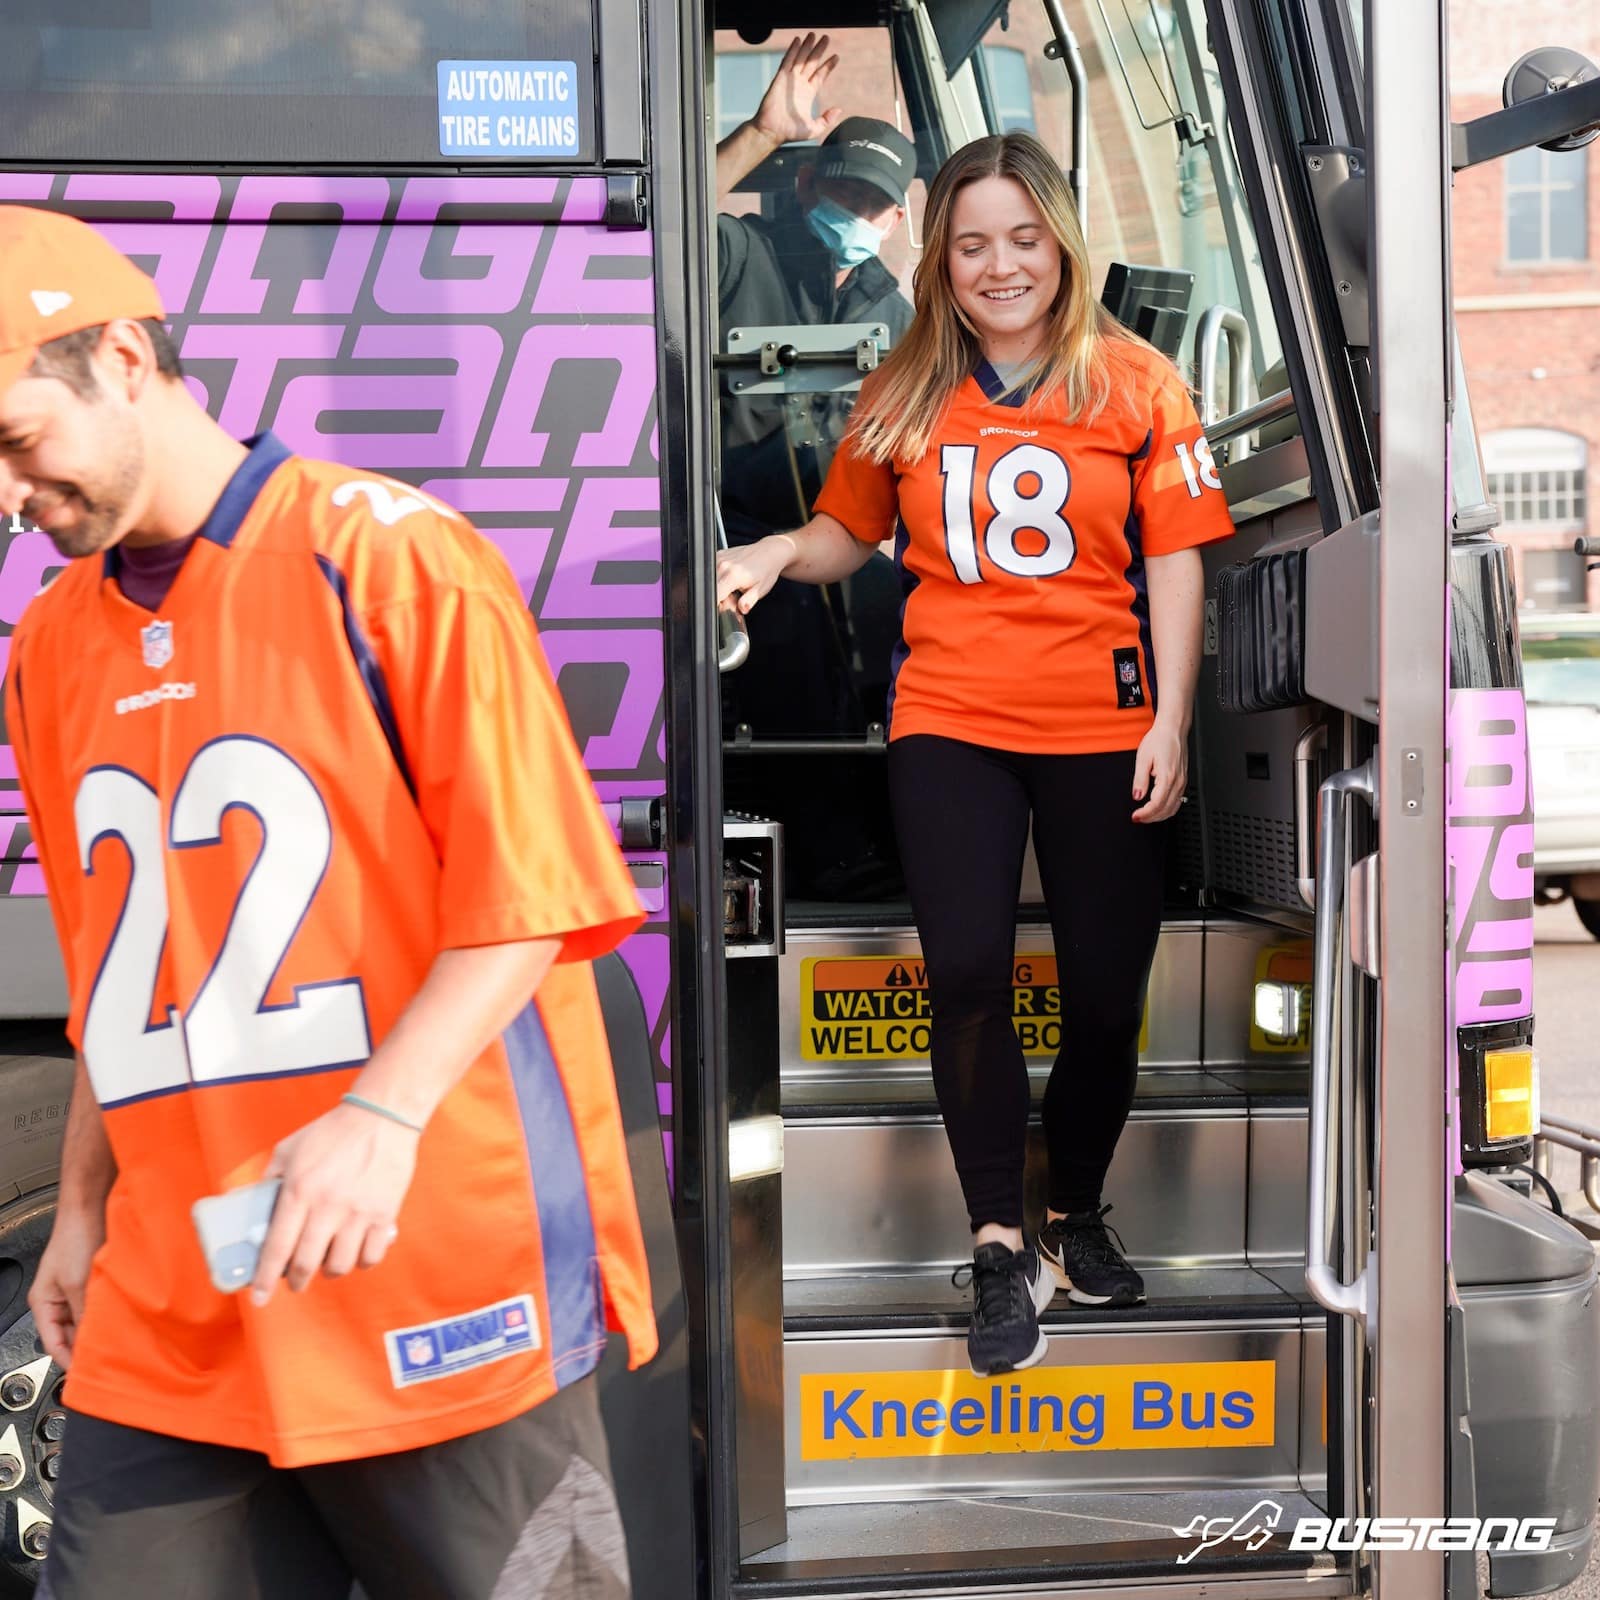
[{"x": 1045, "y": 481}]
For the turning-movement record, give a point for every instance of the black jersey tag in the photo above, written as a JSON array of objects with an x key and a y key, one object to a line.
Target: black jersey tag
[{"x": 1130, "y": 687}]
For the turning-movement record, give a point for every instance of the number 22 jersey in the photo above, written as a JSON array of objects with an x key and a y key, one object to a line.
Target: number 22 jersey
[
  {"x": 1021, "y": 539},
  {"x": 262, "y": 810}
]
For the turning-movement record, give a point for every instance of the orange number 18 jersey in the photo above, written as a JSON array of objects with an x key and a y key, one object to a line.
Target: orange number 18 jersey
[{"x": 262, "y": 811}]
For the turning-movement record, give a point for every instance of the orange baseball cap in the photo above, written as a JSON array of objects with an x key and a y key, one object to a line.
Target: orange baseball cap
[{"x": 58, "y": 276}]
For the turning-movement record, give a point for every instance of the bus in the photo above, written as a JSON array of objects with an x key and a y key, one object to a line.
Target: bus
[{"x": 473, "y": 245}]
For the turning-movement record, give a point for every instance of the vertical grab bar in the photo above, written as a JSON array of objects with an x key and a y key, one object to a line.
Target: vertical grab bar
[
  {"x": 1327, "y": 1288},
  {"x": 1214, "y": 323},
  {"x": 1308, "y": 747},
  {"x": 733, "y": 637}
]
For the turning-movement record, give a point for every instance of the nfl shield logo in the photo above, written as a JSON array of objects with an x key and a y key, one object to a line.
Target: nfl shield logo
[
  {"x": 157, "y": 642},
  {"x": 514, "y": 1317},
  {"x": 419, "y": 1349},
  {"x": 1126, "y": 670}
]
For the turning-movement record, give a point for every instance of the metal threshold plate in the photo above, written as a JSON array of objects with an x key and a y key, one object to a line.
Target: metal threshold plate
[{"x": 1050, "y": 1548}]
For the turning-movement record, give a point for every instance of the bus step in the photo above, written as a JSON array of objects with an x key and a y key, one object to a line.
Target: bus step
[
  {"x": 1208, "y": 1182},
  {"x": 1216, "y": 1384},
  {"x": 1060, "y": 1540},
  {"x": 853, "y": 1011}
]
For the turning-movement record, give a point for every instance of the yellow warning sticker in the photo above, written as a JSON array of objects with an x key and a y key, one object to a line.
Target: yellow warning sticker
[
  {"x": 1288, "y": 964},
  {"x": 854, "y": 1416},
  {"x": 875, "y": 1008}
]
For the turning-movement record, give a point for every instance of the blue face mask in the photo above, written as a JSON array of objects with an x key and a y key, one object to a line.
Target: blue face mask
[{"x": 849, "y": 239}]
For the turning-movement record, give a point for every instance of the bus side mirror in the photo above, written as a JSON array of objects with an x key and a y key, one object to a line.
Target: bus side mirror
[{"x": 1548, "y": 71}]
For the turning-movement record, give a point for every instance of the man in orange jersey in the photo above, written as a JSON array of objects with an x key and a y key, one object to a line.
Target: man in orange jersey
[{"x": 328, "y": 876}]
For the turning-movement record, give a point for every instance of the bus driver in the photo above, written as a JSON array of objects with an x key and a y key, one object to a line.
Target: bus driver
[{"x": 1050, "y": 484}]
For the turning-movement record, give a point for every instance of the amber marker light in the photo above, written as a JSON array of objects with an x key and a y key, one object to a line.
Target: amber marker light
[{"x": 1510, "y": 1094}]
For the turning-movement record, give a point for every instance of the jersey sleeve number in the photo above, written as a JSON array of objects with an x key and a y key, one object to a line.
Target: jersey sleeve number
[
  {"x": 229, "y": 1031},
  {"x": 1200, "y": 468},
  {"x": 1038, "y": 511}
]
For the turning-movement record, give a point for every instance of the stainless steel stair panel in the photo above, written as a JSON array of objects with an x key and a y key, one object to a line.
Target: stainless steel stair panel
[
  {"x": 880, "y": 1194},
  {"x": 1313, "y": 1416},
  {"x": 1054, "y": 1523},
  {"x": 1173, "y": 1013},
  {"x": 1276, "y": 1231},
  {"x": 917, "y": 1366}
]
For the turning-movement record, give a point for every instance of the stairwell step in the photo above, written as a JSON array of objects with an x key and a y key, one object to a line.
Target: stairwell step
[{"x": 887, "y": 1416}]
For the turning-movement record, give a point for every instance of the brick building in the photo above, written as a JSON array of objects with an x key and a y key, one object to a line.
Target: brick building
[{"x": 1527, "y": 298}]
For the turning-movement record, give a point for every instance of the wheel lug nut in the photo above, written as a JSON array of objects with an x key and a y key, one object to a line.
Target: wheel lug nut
[
  {"x": 17, "y": 1391},
  {"x": 36, "y": 1541},
  {"x": 50, "y": 1466},
  {"x": 10, "y": 1471},
  {"x": 54, "y": 1426}
]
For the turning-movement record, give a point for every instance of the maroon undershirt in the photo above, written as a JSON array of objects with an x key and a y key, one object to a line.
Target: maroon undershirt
[{"x": 146, "y": 572}]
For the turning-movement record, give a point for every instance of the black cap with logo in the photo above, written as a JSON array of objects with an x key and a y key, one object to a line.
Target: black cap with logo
[{"x": 873, "y": 152}]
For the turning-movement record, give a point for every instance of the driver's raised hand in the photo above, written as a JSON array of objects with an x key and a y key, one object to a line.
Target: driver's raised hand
[{"x": 787, "y": 109}]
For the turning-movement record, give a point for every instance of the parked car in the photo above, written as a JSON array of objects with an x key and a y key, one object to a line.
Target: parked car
[{"x": 1561, "y": 678}]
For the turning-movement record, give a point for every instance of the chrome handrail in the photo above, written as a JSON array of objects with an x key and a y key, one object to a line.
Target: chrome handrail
[
  {"x": 1327, "y": 1288},
  {"x": 1311, "y": 743},
  {"x": 1215, "y": 323},
  {"x": 733, "y": 636},
  {"x": 1259, "y": 415}
]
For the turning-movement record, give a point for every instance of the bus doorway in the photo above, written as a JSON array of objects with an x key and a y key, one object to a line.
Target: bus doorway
[{"x": 1232, "y": 1402}]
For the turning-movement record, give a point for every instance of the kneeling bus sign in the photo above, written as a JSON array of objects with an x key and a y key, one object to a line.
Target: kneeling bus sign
[{"x": 496, "y": 110}]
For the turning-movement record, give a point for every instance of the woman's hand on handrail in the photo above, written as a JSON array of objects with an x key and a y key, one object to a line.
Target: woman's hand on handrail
[{"x": 823, "y": 551}]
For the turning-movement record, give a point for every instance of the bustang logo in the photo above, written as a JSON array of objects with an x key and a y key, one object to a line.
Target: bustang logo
[{"x": 1260, "y": 1522}]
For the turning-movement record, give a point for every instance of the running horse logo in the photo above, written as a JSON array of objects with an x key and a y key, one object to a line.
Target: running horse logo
[{"x": 1252, "y": 1530}]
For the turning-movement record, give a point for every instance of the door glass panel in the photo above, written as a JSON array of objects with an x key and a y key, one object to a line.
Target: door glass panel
[{"x": 1164, "y": 188}]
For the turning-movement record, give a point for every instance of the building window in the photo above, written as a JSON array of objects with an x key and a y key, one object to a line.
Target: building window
[
  {"x": 1009, "y": 88},
  {"x": 742, "y": 79},
  {"x": 1537, "y": 478},
  {"x": 1547, "y": 205},
  {"x": 1554, "y": 580}
]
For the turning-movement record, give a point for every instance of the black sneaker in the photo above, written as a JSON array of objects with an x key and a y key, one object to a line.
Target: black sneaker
[
  {"x": 1078, "y": 1252},
  {"x": 1009, "y": 1290}
]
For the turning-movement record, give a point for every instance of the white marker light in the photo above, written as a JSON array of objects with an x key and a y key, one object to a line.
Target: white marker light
[
  {"x": 1278, "y": 1010},
  {"x": 755, "y": 1148}
]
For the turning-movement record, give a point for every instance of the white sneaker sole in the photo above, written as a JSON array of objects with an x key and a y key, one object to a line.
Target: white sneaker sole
[{"x": 1060, "y": 1280}]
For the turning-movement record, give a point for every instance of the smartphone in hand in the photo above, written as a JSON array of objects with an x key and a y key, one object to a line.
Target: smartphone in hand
[{"x": 232, "y": 1228}]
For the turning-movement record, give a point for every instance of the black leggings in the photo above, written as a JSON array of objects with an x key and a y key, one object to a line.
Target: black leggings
[{"x": 961, "y": 819}]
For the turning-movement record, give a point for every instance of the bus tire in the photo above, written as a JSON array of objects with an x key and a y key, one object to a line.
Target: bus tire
[
  {"x": 1588, "y": 914},
  {"x": 31, "y": 1416},
  {"x": 36, "y": 1070}
]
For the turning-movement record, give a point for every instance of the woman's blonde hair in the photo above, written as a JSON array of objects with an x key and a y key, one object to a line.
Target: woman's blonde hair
[{"x": 941, "y": 347}]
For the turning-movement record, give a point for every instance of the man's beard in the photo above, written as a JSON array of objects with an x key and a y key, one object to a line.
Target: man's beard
[{"x": 102, "y": 508}]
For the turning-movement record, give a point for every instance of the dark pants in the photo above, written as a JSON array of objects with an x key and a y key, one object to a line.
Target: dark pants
[
  {"x": 522, "y": 1511},
  {"x": 961, "y": 817}
]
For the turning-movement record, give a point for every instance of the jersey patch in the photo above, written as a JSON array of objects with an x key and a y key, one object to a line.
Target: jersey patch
[
  {"x": 441, "y": 1349},
  {"x": 1130, "y": 687}
]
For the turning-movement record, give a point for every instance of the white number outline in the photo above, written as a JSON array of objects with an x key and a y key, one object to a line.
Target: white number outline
[
  {"x": 329, "y": 1015},
  {"x": 155, "y": 1057},
  {"x": 1204, "y": 460},
  {"x": 957, "y": 466},
  {"x": 387, "y": 506}
]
